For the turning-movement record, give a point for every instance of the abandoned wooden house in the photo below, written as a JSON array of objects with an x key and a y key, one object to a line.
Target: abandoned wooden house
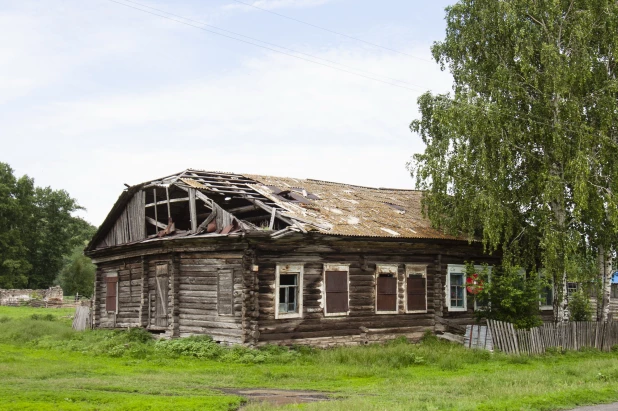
[{"x": 255, "y": 259}]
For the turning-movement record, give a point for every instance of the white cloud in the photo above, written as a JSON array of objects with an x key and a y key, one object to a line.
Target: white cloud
[
  {"x": 276, "y": 4},
  {"x": 87, "y": 129}
]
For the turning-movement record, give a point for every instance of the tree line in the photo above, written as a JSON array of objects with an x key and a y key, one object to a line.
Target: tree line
[
  {"x": 41, "y": 241},
  {"x": 522, "y": 154}
]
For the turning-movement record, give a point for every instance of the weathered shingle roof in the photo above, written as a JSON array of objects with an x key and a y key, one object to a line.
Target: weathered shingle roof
[{"x": 349, "y": 210}]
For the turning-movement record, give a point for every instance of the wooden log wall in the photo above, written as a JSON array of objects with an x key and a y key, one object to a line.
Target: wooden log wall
[
  {"x": 130, "y": 225},
  {"x": 129, "y": 294},
  {"x": 199, "y": 298},
  {"x": 362, "y": 323}
]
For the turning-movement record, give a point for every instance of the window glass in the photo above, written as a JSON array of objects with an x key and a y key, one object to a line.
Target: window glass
[
  {"x": 288, "y": 293},
  {"x": 547, "y": 295},
  {"x": 457, "y": 290}
]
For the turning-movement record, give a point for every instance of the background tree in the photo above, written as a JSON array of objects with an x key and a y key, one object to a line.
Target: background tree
[
  {"x": 37, "y": 229},
  {"x": 521, "y": 153},
  {"x": 77, "y": 274}
]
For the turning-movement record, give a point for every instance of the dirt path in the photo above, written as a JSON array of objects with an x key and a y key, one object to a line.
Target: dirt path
[{"x": 279, "y": 397}]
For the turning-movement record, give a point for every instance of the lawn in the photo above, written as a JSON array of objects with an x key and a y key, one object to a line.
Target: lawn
[{"x": 44, "y": 365}]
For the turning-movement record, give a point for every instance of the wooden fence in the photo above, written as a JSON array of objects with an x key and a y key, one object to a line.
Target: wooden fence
[{"x": 567, "y": 336}]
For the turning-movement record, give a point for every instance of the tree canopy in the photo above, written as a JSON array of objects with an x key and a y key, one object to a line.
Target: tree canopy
[
  {"x": 522, "y": 152},
  {"x": 37, "y": 229}
]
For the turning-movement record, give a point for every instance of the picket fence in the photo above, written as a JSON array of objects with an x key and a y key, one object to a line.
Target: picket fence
[{"x": 566, "y": 336}]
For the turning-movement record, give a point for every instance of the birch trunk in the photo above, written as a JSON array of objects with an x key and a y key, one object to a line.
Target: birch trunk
[{"x": 607, "y": 285}]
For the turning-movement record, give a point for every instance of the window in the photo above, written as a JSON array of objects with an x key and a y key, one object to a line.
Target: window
[
  {"x": 547, "y": 293},
  {"x": 289, "y": 293},
  {"x": 572, "y": 289},
  {"x": 111, "y": 296},
  {"x": 455, "y": 288},
  {"x": 386, "y": 289},
  {"x": 416, "y": 288},
  {"x": 614, "y": 292},
  {"x": 336, "y": 289},
  {"x": 456, "y": 293}
]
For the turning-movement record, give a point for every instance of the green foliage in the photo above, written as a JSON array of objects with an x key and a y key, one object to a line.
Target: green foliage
[
  {"x": 77, "y": 274},
  {"x": 579, "y": 306},
  {"x": 522, "y": 153},
  {"x": 108, "y": 370},
  {"x": 514, "y": 296},
  {"x": 37, "y": 229},
  {"x": 43, "y": 317}
]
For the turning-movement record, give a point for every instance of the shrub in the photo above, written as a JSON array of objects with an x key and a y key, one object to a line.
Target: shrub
[
  {"x": 579, "y": 306},
  {"x": 514, "y": 297},
  {"x": 42, "y": 317}
]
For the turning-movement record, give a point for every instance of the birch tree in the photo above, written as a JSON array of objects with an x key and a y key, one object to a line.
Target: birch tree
[{"x": 521, "y": 152}]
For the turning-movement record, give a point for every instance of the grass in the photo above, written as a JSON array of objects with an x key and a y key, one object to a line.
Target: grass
[{"x": 45, "y": 365}]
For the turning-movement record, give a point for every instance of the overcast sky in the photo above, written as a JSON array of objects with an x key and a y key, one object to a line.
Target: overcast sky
[{"x": 94, "y": 94}]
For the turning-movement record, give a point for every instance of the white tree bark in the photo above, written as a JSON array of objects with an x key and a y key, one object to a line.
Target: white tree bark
[
  {"x": 561, "y": 301},
  {"x": 607, "y": 285}
]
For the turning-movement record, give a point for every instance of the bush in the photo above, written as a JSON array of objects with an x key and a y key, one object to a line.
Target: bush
[
  {"x": 42, "y": 317},
  {"x": 579, "y": 306},
  {"x": 514, "y": 297}
]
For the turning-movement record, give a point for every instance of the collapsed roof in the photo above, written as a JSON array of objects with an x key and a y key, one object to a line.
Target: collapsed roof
[{"x": 197, "y": 203}]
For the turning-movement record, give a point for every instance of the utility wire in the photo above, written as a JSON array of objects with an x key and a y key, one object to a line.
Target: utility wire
[
  {"x": 331, "y": 31},
  {"x": 539, "y": 120},
  {"x": 276, "y": 45},
  {"x": 266, "y": 47}
]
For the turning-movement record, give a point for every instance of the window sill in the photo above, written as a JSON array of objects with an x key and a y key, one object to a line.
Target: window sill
[
  {"x": 387, "y": 312},
  {"x": 546, "y": 308},
  {"x": 337, "y": 314},
  {"x": 457, "y": 309},
  {"x": 288, "y": 315},
  {"x": 417, "y": 312}
]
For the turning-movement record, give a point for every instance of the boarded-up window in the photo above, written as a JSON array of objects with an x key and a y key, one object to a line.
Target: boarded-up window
[
  {"x": 386, "y": 292},
  {"x": 111, "y": 296},
  {"x": 225, "y": 292},
  {"x": 162, "y": 286},
  {"x": 336, "y": 287},
  {"x": 416, "y": 293}
]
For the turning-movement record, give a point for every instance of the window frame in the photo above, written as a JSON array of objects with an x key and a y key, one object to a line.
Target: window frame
[
  {"x": 294, "y": 268},
  {"x": 386, "y": 269},
  {"x": 112, "y": 274},
  {"x": 414, "y": 269},
  {"x": 335, "y": 267},
  {"x": 457, "y": 269}
]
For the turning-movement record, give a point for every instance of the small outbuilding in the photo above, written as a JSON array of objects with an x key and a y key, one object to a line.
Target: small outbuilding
[{"x": 253, "y": 259}]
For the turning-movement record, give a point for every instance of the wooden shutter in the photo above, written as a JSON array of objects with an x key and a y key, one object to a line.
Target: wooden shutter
[
  {"x": 112, "y": 294},
  {"x": 387, "y": 294},
  {"x": 225, "y": 292},
  {"x": 417, "y": 293},
  {"x": 336, "y": 291}
]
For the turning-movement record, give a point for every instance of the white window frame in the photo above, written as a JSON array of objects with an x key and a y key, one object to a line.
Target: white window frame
[
  {"x": 414, "y": 269},
  {"x": 295, "y": 268},
  {"x": 112, "y": 274},
  {"x": 386, "y": 269},
  {"x": 335, "y": 267}
]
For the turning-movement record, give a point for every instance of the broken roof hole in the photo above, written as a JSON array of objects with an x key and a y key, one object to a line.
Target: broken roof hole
[{"x": 396, "y": 207}]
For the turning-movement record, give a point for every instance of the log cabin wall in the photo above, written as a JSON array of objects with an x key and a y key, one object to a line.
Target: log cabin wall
[
  {"x": 129, "y": 287},
  {"x": 211, "y": 295},
  {"x": 362, "y": 324}
]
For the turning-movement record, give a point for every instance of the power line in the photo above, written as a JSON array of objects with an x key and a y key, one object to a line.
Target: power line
[
  {"x": 332, "y": 31},
  {"x": 276, "y": 45},
  {"x": 267, "y": 48}
]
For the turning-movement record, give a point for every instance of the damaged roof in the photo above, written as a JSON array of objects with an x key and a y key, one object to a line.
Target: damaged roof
[
  {"x": 246, "y": 202},
  {"x": 349, "y": 210}
]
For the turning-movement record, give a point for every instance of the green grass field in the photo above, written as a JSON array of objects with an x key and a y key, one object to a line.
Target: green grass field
[{"x": 44, "y": 365}]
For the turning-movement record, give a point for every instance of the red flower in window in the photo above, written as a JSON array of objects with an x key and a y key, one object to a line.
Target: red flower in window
[{"x": 474, "y": 284}]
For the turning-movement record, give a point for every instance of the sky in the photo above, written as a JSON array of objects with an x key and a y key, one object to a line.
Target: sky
[{"x": 96, "y": 93}]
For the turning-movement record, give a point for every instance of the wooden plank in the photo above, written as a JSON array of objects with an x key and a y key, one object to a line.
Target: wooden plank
[{"x": 192, "y": 210}]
